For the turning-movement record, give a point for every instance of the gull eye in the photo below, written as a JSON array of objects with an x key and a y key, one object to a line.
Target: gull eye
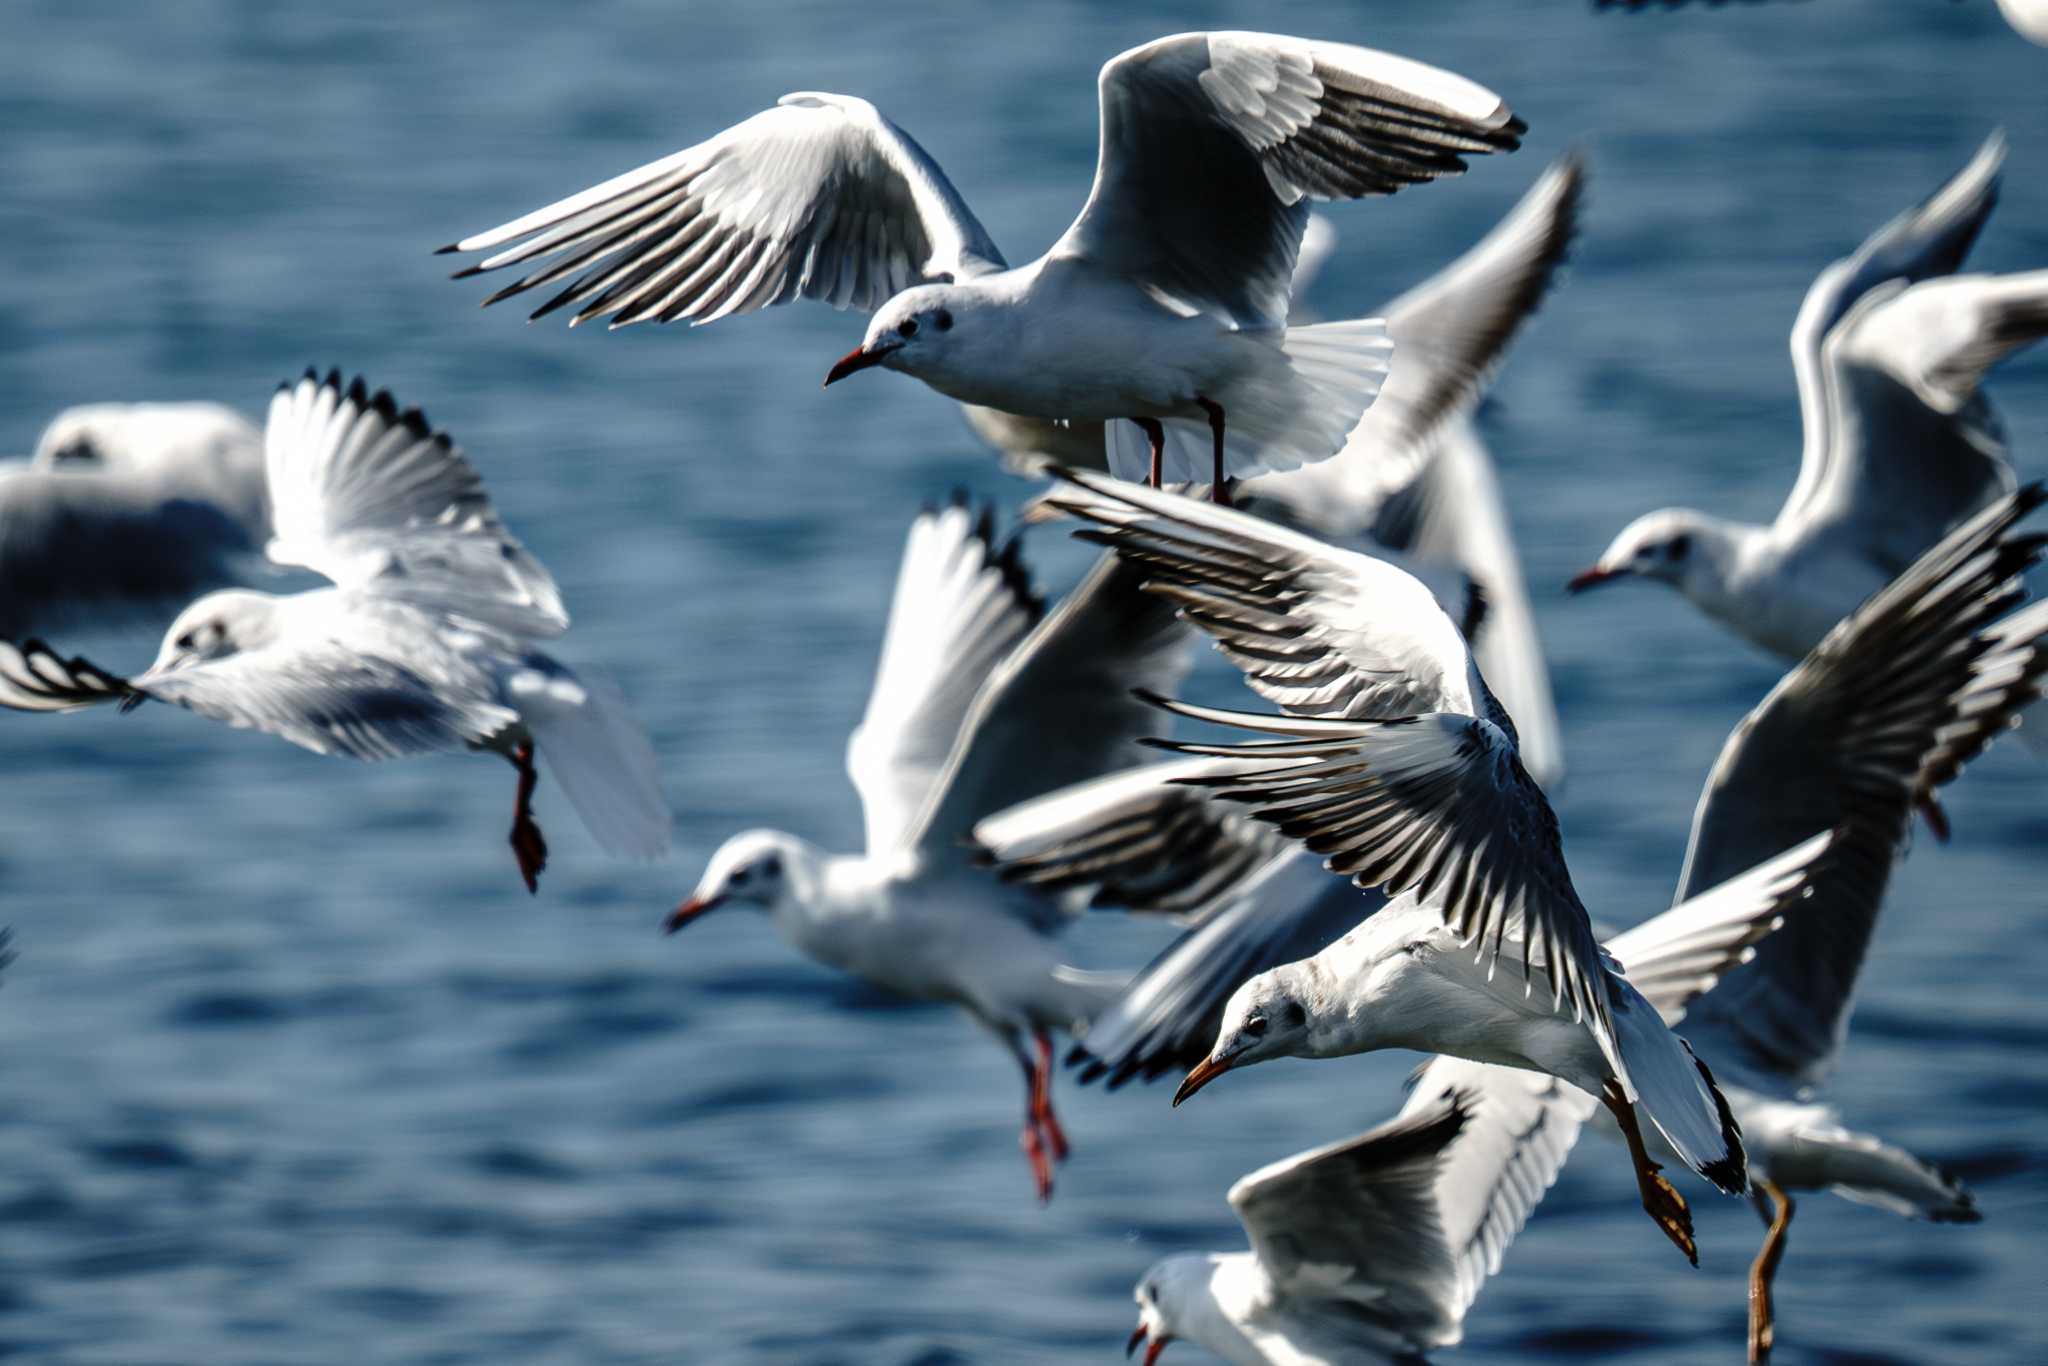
[
  {"x": 1681, "y": 545},
  {"x": 183, "y": 642},
  {"x": 944, "y": 320},
  {"x": 739, "y": 879},
  {"x": 1255, "y": 1026},
  {"x": 907, "y": 328}
]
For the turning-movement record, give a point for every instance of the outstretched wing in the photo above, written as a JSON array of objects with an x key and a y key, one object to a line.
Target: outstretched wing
[
  {"x": 818, "y": 198},
  {"x": 962, "y": 603},
  {"x": 1237, "y": 132},
  {"x": 1888, "y": 706},
  {"x": 374, "y": 498},
  {"x": 33, "y": 677}
]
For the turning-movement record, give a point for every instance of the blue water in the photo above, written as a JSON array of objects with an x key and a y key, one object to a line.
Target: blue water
[{"x": 295, "y": 1073}]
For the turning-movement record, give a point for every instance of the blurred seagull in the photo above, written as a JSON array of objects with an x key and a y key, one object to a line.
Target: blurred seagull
[
  {"x": 1166, "y": 301},
  {"x": 980, "y": 701},
  {"x": 1399, "y": 764},
  {"x": 1890, "y": 348},
  {"x": 2028, "y": 18},
  {"x": 128, "y": 510},
  {"x": 426, "y": 643}
]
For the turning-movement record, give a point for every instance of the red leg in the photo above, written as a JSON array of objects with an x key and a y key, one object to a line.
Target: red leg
[
  {"x": 1217, "y": 492},
  {"x": 1155, "y": 434},
  {"x": 527, "y": 845},
  {"x": 1056, "y": 1137}
]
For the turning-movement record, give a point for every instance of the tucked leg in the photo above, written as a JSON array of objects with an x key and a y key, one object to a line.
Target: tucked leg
[
  {"x": 1765, "y": 1268},
  {"x": 527, "y": 845},
  {"x": 1661, "y": 1199},
  {"x": 1218, "y": 493},
  {"x": 1156, "y": 434}
]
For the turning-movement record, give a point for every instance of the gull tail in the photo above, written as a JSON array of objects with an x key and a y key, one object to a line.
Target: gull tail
[
  {"x": 1676, "y": 1092},
  {"x": 1077, "y": 996},
  {"x": 1866, "y": 1169},
  {"x": 1293, "y": 404},
  {"x": 586, "y": 733}
]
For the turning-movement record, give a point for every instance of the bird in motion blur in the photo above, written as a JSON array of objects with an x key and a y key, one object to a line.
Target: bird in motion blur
[
  {"x": 1890, "y": 348},
  {"x": 1165, "y": 303},
  {"x": 980, "y": 700},
  {"x": 426, "y": 642}
]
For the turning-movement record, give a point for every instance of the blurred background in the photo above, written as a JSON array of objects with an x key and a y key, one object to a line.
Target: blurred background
[{"x": 295, "y": 1070}]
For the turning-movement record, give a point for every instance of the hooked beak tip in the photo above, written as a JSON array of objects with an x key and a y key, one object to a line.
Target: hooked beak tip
[
  {"x": 685, "y": 913},
  {"x": 1589, "y": 578},
  {"x": 1203, "y": 1072},
  {"x": 1137, "y": 1341},
  {"x": 860, "y": 358}
]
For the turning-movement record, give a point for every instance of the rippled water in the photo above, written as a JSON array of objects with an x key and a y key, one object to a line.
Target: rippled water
[{"x": 295, "y": 1073}]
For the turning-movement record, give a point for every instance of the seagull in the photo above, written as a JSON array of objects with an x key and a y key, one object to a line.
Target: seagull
[
  {"x": 980, "y": 700},
  {"x": 1890, "y": 707},
  {"x": 425, "y": 643},
  {"x": 1164, "y": 304},
  {"x": 1890, "y": 348},
  {"x": 1398, "y": 764},
  {"x": 126, "y": 511}
]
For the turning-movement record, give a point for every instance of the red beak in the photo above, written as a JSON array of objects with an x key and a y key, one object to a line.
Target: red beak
[
  {"x": 688, "y": 911},
  {"x": 1137, "y": 1337},
  {"x": 1590, "y": 578},
  {"x": 1203, "y": 1072},
  {"x": 860, "y": 358}
]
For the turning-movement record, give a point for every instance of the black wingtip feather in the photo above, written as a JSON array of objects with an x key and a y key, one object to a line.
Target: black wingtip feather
[{"x": 448, "y": 250}]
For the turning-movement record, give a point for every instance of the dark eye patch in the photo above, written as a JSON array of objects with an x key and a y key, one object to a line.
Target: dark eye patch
[
  {"x": 943, "y": 319},
  {"x": 1293, "y": 1016},
  {"x": 1681, "y": 545}
]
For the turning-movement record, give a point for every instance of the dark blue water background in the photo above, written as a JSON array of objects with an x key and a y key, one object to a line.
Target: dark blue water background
[{"x": 292, "y": 1070}]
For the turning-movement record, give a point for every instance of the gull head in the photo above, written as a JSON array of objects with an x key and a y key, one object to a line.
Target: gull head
[
  {"x": 1265, "y": 1018},
  {"x": 750, "y": 869},
  {"x": 218, "y": 625},
  {"x": 919, "y": 332},
  {"x": 1670, "y": 544},
  {"x": 1160, "y": 1298}
]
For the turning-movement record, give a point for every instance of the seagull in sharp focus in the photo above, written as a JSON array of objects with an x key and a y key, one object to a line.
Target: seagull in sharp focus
[
  {"x": 427, "y": 641},
  {"x": 1165, "y": 304},
  {"x": 1900, "y": 444},
  {"x": 1397, "y": 764},
  {"x": 980, "y": 701},
  {"x": 126, "y": 512}
]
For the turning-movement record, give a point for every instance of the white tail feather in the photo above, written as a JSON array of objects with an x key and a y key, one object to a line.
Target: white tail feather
[
  {"x": 586, "y": 733},
  {"x": 1674, "y": 1093}
]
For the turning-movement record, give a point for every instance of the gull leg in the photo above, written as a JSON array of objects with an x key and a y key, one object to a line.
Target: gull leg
[
  {"x": 1661, "y": 1199},
  {"x": 527, "y": 845},
  {"x": 1764, "y": 1269},
  {"x": 1032, "y": 1137},
  {"x": 1217, "y": 492},
  {"x": 1156, "y": 434},
  {"x": 1048, "y": 1122}
]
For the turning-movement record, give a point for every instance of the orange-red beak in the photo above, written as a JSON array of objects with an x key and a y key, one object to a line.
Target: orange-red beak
[
  {"x": 1204, "y": 1072},
  {"x": 1591, "y": 578},
  {"x": 1138, "y": 1335},
  {"x": 688, "y": 911},
  {"x": 860, "y": 358}
]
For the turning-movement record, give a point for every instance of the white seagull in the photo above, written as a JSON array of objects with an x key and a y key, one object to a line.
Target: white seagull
[
  {"x": 1900, "y": 445},
  {"x": 980, "y": 701},
  {"x": 425, "y": 643},
  {"x": 126, "y": 511},
  {"x": 1399, "y": 766},
  {"x": 1166, "y": 301},
  {"x": 1887, "y": 709},
  {"x": 2028, "y": 18}
]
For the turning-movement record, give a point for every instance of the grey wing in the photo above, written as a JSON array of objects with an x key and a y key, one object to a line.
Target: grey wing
[
  {"x": 332, "y": 698},
  {"x": 374, "y": 497},
  {"x": 1318, "y": 630},
  {"x": 1237, "y": 132},
  {"x": 33, "y": 677},
  {"x": 962, "y": 603},
  {"x": 1437, "y": 805},
  {"x": 1930, "y": 239},
  {"x": 1520, "y": 1128},
  {"x": 818, "y": 198},
  {"x": 1890, "y": 704},
  {"x": 79, "y": 547},
  {"x": 1454, "y": 514},
  {"x": 1060, "y": 709},
  {"x": 1356, "y": 1226}
]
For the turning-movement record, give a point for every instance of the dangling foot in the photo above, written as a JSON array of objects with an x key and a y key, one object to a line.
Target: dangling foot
[
  {"x": 1219, "y": 491},
  {"x": 1033, "y": 1144},
  {"x": 1764, "y": 1269},
  {"x": 1041, "y": 1092},
  {"x": 527, "y": 845},
  {"x": 1156, "y": 434},
  {"x": 1661, "y": 1200}
]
